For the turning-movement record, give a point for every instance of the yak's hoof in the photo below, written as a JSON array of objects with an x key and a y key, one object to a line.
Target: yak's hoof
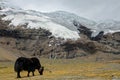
[{"x": 18, "y": 77}]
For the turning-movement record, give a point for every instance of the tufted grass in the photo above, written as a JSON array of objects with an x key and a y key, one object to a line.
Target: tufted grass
[{"x": 61, "y": 69}]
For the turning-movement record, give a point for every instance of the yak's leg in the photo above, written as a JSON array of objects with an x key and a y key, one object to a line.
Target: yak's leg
[
  {"x": 33, "y": 73},
  {"x": 18, "y": 74},
  {"x": 28, "y": 73}
]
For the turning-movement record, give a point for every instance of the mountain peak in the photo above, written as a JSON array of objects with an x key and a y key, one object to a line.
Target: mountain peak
[{"x": 59, "y": 23}]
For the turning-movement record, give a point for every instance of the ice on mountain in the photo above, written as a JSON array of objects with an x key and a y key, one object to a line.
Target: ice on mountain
[{"x": 59, "y": 23}]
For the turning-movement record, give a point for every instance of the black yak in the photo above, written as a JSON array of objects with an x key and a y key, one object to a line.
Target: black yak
[{"x": 27, "y": 64}]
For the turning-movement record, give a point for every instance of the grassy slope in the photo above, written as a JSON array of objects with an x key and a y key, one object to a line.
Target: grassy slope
[
  {"x": 6, "y": 55},
  {"x": 66, "y": 70}
]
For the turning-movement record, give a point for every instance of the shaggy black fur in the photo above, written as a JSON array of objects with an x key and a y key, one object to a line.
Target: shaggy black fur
[{"x": 28, "y": 64}]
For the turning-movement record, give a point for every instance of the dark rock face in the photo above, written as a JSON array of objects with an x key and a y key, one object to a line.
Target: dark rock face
[
  {"x": 83, "y": 30},
  {"x": 10, "y": 33},
  {"x": 24, "y": 33},
  {"x": 99, "y": 36}
]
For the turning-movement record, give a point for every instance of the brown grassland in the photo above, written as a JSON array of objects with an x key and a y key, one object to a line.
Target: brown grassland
[{"x": 70, "y": 69}]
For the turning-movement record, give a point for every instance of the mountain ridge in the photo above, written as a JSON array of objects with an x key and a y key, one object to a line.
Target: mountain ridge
[
  {"x": 58, "y": 34},
  {"x": 62, "y": 19}
]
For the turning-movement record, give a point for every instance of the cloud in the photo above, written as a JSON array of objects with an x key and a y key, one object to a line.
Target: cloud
[{"x": 92, "y": 9}]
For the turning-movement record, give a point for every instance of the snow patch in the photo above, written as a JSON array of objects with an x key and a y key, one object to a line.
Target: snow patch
[{"x": 18, "y": 17}]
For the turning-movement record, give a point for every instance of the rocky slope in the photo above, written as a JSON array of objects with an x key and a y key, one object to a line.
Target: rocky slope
[
  {"x": 57, "y": 35},
  {"x": 40, "y": 42}
]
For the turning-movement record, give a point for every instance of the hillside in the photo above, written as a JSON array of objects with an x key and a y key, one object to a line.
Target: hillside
[
  {"x": 7, "y": 54},
  {"x": 56, "y": 35}
]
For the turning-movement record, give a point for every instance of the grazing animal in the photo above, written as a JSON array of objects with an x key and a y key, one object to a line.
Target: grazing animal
[{"x": 27, "y": 64}]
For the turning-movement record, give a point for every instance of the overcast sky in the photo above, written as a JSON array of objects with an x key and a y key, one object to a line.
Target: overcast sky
[{"x": 91, "y": 9}]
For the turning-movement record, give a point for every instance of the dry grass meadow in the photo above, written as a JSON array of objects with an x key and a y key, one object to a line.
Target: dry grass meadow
[{"x": 71, "y": 69}]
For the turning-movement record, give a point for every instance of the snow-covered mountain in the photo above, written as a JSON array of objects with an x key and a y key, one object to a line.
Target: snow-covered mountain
[
  {"x": 67, "y": 19},
  {"x": 33, "y": 39},
  {"x": 35, "y": 20},
  {"x": 59, "y": 23},
  {"x": 108, "y": 26}
]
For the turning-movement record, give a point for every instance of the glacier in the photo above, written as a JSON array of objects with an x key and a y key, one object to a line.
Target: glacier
[
  {"x": 36, "y": 20},
  {"x": 59, "y": 23}
]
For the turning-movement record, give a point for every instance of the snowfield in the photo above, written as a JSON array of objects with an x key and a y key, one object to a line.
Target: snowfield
[
  {"x": 59, "y": 23},
  {"x": 35, "y": 21},
  {"x": 41, "y": 22}
]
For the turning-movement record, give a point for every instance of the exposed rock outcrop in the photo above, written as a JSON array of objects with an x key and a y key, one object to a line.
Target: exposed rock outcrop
[
  {"x": 83, "y": 30},
  {"x": 98, "y": 37}
]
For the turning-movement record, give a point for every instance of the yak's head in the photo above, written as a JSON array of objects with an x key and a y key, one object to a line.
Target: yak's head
[{"x": 41, "y": 70}]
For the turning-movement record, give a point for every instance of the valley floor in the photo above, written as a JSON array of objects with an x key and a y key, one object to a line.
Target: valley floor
[{"x": 70, "y": 69}]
